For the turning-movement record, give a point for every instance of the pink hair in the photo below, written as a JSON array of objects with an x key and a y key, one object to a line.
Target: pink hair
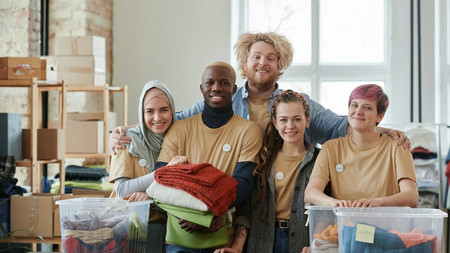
[{"x": 371, "y": 92}]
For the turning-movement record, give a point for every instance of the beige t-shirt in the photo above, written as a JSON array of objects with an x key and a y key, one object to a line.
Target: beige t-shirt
[
  {"x": 288, "y": 167},
  {"x": 369, "y": 171},
  {"x": 258, "y": 111},
  {"x": 237, "y": 141},
  {"x": 125, "y": 164}
]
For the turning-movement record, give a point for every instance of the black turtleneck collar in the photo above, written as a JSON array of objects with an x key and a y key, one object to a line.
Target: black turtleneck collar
[{"x": 216, "y": 118}]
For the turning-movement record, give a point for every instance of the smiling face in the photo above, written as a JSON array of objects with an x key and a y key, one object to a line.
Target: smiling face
[
  {"x": 218, "y": 86},
  {"x": 261, "y": 67},
  {"x": 157, "y": 111},
  {"x": 363, "y": 115},
  {"x": 291, "y": 122}
]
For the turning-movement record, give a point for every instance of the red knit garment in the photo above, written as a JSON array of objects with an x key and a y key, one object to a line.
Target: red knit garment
[
  {"x": 217, "y": 196},
  {"x": 199, "y": 173}
]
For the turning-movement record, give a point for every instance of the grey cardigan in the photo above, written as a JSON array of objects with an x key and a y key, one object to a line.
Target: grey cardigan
[{"x": 261, "y": 234}]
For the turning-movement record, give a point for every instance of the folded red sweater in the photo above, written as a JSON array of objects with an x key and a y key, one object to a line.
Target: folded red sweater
[
  {"x": 199, "y": 173},
  {"x": 217, "y": 196}
]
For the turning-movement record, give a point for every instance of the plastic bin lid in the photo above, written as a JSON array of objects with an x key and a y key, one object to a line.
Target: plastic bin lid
[
  {"x": 389, "y": 212},
  {"x": 320, "y": 208},
  {"x": 100, "y": 201}
]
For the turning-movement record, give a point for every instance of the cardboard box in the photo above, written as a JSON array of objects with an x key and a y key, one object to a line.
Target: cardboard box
[
  {"x": 11, "y": 135},
  {"x": 84, "y": 137},
  {"x": 49, "y": 72},
  {"x": 83, "y": 116},
  {"x": 20, "y": 68},
  {"x": 81, "y": 70},
  {"x": 33, "y": 213},
  {"x": 50, "y": 144},
  {"x": 80, "y": 45}
]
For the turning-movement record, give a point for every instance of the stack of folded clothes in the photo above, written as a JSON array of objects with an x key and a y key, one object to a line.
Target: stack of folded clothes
[
  {"x": 79, "y": 177},
  {"x": 424, "y": 148},
  {"x": 196, "y": 193},
  {"x": 390, "y": 241}
]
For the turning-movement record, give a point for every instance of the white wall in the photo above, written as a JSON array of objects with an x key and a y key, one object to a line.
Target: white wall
[
  {"x": 168, "y": 40},
  {"x": 172, "y": 40}
]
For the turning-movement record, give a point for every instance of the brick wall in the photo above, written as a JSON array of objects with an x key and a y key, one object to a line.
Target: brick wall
[{"x": 20, "y": 36}]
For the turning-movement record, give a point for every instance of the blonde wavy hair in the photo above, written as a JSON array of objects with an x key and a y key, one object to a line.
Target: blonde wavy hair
[{"x": 283, "y": 47}]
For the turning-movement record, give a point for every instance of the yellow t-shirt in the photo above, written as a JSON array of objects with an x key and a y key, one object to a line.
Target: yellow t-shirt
[
  {"x": 286, "y": 169},
  {"x": 369, "y": 171},
  {"x": 258, "y": 111},
  {"x": 237, "y": 141},
  {"x": 124, "y": 164}
]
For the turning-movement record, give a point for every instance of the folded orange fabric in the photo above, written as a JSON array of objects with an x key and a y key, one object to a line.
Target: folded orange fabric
[
  {"x": 329, "y": 234},
  {"x": 217, "y": 196}
]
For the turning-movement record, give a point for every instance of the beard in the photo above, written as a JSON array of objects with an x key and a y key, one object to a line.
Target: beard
[{"x": 268, "y": 82}]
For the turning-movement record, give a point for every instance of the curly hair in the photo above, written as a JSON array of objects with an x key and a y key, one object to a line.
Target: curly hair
[
  {"x": 272, "y": 144},
  {"x": 283, "y": 47}
]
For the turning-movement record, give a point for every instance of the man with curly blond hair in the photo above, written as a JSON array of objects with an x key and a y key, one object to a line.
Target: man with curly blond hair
[{"x": 263, "y": 58}]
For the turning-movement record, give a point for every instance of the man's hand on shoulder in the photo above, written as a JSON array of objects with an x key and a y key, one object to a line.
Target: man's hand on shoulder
[{"x": 118, "y": 139}]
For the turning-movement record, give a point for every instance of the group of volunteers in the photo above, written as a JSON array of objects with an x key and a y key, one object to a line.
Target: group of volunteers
[{"x": 259, "y": 144}]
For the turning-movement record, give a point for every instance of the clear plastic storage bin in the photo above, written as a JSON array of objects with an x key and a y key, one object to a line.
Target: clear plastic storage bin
[
  {"x": 103, "y": 225},
  {"x": 323, "y": 228},
  {"x": 390, "y": 229}
]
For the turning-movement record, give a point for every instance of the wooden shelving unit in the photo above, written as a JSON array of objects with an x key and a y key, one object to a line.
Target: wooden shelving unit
[
  {"x": 106, "y": 91},
  {"x": 35, "y": 122}
]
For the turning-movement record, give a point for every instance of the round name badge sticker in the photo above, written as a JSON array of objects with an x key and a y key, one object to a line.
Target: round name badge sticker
[
  {"x": 339, "y": 168},
  {"x": 280, "y": 175},
  {"x": 142, "y": 162},
  {"x": 226, "y": 148}
]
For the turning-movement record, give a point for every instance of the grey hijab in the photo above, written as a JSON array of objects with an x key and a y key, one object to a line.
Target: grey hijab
[{"x": 144, "y": 143}]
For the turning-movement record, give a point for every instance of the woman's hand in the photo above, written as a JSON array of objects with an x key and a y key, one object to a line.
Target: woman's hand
[
  {"x": 137, "y": 196},
  {"x": 366, "y": 203},
  {"x": 190, "y": 227},
  {"x": 118, "y": 139},
  {"x": 402, "y": 138},
  {"x": 179, "y": 160},
  {"x": 341, "y": 203}
]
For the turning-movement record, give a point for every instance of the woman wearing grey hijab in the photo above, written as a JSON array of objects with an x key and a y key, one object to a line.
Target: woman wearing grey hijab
[{"x": 132, "y": 168}]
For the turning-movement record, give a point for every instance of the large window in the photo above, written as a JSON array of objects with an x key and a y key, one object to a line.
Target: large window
[{"x": 338, "y": 44}]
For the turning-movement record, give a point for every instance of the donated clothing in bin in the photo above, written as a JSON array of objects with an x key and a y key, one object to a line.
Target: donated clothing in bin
[
  {"x": 103, "y": 225},
  {"x": 323, "y": 229},
  {"x": 389, "y": 229}
]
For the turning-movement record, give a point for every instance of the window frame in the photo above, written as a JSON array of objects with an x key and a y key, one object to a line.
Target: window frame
[{"x": 315, "y": 73}]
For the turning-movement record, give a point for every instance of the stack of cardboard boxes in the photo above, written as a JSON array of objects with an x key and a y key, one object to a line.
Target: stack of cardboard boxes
[
  {"x": 78, "y": 61},
  {"x": 81, "y": 61}
]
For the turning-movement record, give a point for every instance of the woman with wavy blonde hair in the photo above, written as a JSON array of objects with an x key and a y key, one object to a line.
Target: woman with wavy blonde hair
[{"x": 284, "y": 163}]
